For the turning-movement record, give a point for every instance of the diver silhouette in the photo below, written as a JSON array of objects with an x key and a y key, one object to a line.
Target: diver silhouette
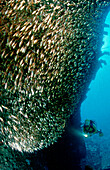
[{"x": 89, "y": 128}]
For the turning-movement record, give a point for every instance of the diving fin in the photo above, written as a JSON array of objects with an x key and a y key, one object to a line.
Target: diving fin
[{"x": 100, "y": 133}]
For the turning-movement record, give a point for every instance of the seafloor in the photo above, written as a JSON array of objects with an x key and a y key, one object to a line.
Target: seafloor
[{"x": 98, "y": 152}]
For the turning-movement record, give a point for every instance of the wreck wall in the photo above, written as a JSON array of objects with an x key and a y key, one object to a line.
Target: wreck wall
[{"x": 44, "y": 77}]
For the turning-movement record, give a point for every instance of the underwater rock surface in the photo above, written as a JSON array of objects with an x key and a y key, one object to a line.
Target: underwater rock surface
[
  {"x": 48, "y": 53},
  {"x": 98, "y": 152}
]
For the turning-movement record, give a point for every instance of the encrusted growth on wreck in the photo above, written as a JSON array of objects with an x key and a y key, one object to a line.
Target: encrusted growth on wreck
[{"x": 46, "y": 52}]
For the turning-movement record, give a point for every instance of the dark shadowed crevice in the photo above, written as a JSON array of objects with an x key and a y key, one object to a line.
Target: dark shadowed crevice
[{"x": 69, "y": 152}]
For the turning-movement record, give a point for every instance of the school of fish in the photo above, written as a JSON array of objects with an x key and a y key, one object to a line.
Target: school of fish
[{"x": 47, "y": 51}]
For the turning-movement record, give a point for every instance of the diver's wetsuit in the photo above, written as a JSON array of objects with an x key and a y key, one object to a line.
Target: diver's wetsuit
[{"x": 90, "y": 128}]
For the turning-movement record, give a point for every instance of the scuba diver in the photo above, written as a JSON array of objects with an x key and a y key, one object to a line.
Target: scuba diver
[{"x": 89, "y": 128}]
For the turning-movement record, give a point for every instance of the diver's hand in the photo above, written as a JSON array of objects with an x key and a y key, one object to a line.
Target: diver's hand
[{"x": 89, "y": 135}]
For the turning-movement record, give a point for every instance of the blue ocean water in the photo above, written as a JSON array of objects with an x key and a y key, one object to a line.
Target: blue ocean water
[{"x": 97, "y": 106}]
